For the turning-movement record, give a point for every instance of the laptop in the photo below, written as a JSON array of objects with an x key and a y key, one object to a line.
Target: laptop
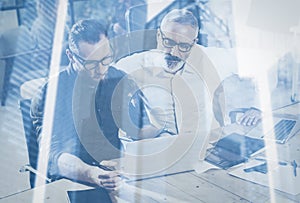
[
  {"x": 170, "y": 154},
  {"x": 164, "y": 155},
  {"x": 235, "y": 149},
  {"x": 279, "y": 127}
]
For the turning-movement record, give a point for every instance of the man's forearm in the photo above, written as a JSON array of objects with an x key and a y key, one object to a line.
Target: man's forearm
[{"x": 74, "y": 168}]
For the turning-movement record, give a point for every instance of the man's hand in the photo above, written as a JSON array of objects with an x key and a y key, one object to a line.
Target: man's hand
[
  {"x": 70, "y": 166},
  {"x": 250, "y": 117},
  {"x": 109, "y": 180}
]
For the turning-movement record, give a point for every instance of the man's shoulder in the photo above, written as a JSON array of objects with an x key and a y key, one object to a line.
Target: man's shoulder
[
  {"x": 132, "y": 62},
  {"x": 120, "y": 77},
  {"x": 114, "y": 72},
  {"x": 130, "y": 57},
  {"x": 65, "y": 79},
  {"x": 65, "y": 74}
]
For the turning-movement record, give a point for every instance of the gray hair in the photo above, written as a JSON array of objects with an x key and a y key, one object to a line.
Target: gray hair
[{"x": 181, "y": 16}]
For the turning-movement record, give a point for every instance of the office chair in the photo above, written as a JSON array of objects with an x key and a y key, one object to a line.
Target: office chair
[
  {"x": 133, "y": 42},
  {"x": 16, "y": 46},
  {"x": 136, "y": 17},
  {"x": 32, "y": 145}
]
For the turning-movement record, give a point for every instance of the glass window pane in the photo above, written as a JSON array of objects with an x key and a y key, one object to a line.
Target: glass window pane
[{"x": 8, "y": 20}]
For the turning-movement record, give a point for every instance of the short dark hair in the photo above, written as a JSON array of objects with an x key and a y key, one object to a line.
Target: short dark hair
[{"x": 88, "y": 30}]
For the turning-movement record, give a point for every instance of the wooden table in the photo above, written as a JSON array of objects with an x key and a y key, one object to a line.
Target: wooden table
[
  {"x": 211, "y": 186},
  {"x": 215, "y": 185}
]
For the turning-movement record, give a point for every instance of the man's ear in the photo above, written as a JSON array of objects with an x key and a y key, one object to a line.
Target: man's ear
[
  {"x": 196, "y": 41},
  {"x": 157, "y": 35},
  {"x": 70, "y": 56}
]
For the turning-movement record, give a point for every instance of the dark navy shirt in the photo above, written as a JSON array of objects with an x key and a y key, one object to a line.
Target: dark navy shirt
[{"x": 64, "y": 138}]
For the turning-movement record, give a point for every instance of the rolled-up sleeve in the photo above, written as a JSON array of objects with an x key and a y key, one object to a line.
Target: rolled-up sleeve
[{"x": 63, "y": 129}]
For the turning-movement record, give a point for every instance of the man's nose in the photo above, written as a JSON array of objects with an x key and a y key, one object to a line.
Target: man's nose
[
  {"x": 175, "y": 51},
  {"x": 97, "y": 69},
  {"x": 95, "y": 72}
]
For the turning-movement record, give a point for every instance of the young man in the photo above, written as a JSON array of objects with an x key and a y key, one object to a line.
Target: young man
[{"x": 90, "y": 54}]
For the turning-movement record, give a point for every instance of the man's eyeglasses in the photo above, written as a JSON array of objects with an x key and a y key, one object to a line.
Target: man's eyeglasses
[
  {"x": 169, "y": 43},
  {"x": 92, "y": 64}
]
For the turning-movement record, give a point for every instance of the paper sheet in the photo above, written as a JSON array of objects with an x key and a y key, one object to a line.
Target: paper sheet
[
  {"x": 282, "y": 177},
  {"x": 204, "y": 166}
]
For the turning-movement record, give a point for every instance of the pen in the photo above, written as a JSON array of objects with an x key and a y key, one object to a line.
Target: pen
[
  {"x": 107, "y": 168},
  {"x": 282, "y": 163}
]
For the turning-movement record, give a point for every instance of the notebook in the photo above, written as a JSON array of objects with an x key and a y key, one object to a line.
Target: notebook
[
  {"x": 232, "y": 150},
  {"x": 98, "y": 195}
]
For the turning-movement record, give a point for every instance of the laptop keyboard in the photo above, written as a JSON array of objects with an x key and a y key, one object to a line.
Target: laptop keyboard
[{"x": 283, "y": 129}]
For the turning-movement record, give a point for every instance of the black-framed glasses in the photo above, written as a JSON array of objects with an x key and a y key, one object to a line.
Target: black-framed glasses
[
  {"x": 169, "y": 43},
  {"x": 92, "y": 64}
]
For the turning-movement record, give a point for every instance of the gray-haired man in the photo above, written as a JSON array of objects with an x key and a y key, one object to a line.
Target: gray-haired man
[{"x": 176, "y": 94}]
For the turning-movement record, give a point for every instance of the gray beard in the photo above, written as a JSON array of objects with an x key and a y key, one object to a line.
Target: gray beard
[{"x": 173, "y": 66}]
